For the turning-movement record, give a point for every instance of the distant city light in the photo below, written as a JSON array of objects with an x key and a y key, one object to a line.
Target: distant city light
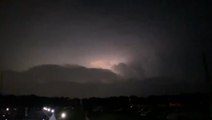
[
  {"x": 63, "y": 115},
  {"x": 52, "y": 110},
  {"x": 45, "y": 108},
  {"x": 48, "y": 109}
]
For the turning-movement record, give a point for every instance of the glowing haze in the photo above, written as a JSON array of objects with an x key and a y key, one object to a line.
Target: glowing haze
[
  {"x": 106, "y": 63},
  {"x": 94, "y": 40}
]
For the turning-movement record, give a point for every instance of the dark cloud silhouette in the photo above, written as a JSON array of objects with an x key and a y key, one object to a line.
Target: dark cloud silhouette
[
  {"x": 129, "y": 71},
  {"x": 78, "y": 81},
  {"x": 71, "y": 73}
]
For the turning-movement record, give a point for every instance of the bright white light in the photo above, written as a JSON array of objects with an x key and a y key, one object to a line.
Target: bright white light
[
  {"x": 52, "y": 110},
  {"x": 7, "y": 109},
  {"x": 63, "y": 115},
  {"x": 45, "y": 108},
  {"x": 3, "y": 115},
  {"x": 48, "y": 109}
]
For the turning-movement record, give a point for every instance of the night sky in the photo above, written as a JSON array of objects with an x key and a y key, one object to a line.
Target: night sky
[{"x": 84, "y": 48}]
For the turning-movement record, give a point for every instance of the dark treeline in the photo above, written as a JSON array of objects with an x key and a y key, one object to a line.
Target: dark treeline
[
  {"x": 34, "y": 101},
  {"x": 37, "y": 101}
]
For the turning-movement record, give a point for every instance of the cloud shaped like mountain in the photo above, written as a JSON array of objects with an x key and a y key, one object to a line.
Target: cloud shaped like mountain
[{"x": 78, "y": 81}]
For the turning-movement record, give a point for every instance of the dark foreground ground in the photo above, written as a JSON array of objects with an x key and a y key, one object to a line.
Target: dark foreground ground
[{"x": 175, "y": 107}]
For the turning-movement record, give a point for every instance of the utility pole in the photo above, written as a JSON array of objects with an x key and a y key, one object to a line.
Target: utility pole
[
  {"x": 208, "y": 80},
  {"x": 1, "y": 82}
]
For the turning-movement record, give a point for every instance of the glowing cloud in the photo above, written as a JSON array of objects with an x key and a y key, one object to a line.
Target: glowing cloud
[{"x": 106, "y": 63}]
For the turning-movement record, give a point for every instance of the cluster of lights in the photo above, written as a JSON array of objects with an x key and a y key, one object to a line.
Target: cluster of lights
[
  {"x": 7, "y": 109},
  {"x": 48, "y": 109},
  {"x": 63, "y": 115}
]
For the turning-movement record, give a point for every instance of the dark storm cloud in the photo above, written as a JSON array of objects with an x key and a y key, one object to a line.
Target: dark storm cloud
[
  {"x": 154, "y": 38},
  {"x": 77, "y": 81},
  {"x": 129, "y": 71},
  {"x": 72, "y": 73}
]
